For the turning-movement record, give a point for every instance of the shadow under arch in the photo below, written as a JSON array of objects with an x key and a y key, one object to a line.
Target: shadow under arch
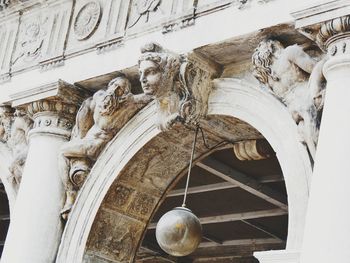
[
  {"x": 11, "y": 191},
  {"x": 230, "y": 97}
]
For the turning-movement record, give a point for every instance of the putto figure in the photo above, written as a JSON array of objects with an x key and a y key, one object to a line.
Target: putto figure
[
  {"x": 295, "y": 79},
  {"x": 160, "y": 78},
  {"x": 98, "y": 120}
]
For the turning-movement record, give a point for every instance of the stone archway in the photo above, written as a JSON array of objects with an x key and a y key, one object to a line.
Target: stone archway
[{"x": 119, "y": 197}]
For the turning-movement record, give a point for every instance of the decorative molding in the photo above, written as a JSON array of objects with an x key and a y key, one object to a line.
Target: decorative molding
[{"x": 60, "y": 90}]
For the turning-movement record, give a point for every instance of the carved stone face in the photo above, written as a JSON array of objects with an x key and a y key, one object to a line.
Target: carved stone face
[
  {"x": 150, "y": 77},
  {"x": 109, "y": 102}
]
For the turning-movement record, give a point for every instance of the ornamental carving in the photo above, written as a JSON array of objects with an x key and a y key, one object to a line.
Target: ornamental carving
[
  {"x": 297, "y": 81},
  {"x": 14, "y": 128},
  {"x": 99, "y": 118},
  {"x": 31, "y": 39},
  {"x": 180, "y": 86},
  {"x": 87, "y": 20},
  {"x": 144, "y": 8}
]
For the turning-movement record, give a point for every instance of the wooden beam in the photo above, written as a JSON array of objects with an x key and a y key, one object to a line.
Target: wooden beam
[
  {"x": 263, "y": 229},
  {"x": 236, "y": 216},
  {"x": 221, "y": 186},
  {"x": 158, "y": 254},
  {"x": 242, "y": 242},
  {"x": 202, "y": 189},
  {"x": 243, "y": 181}
]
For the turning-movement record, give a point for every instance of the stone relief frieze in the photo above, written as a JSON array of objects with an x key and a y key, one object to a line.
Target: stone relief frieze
[
  {"x": 178, "y": 84},
  {"x": 119, "y": 242},
  {"x": 295, "y": 79},
  {"x": 31, "y": 38},
  {"x": 40, "y": 39},
  {"x": 99, "y": 118},
  {"x": 8, "y": 32},
  {"x": 14, "y": 128},
  {"x": 158, "y": 13}
]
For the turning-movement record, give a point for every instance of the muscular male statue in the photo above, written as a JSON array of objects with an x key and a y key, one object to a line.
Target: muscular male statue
[
  {"x": 296, "y": 79},
  {"x": 98, "y": 120}
]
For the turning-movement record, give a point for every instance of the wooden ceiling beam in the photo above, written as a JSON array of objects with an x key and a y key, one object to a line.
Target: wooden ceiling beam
[
  {"x": 263, "y": 229},
  {"x": 236, "y": 216},
  {"x": 202, "y": 189},
  {"x": 242, "y": 242},
  {"x": 244, "y": 181}
]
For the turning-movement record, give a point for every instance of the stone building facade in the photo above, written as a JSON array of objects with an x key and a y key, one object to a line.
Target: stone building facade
[{"x": 99, "y": 103}]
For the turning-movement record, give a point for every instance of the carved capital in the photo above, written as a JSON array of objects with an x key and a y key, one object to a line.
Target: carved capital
[
  {"x": 52, "y": 117},
  {"x": 327, "y": 24},
  {"x": 52, "y": 107},
  {"x": 333, "y": 30}
]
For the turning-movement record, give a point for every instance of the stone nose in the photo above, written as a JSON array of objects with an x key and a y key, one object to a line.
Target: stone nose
[{"x": 142, "y": 78}]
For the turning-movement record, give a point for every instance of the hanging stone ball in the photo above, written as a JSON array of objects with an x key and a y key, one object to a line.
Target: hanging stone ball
[{"x": 179, "y": 232}]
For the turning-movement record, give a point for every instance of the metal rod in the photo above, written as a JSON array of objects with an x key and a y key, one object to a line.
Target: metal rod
[{"x": 190, "y": 166}]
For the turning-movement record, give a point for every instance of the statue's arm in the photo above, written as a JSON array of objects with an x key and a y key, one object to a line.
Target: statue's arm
[
  {"x": 316, "y": 84},
  {"x": 84, "y": 119},
  {"x": 299, "y": 57}
]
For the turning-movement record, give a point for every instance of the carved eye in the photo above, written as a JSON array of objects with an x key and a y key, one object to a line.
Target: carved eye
[{"x": 152, "y": 71}]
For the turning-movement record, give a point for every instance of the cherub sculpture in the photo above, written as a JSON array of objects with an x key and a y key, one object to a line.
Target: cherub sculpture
[
  {"x": 99, "y": 118},
  {"x": 295, "y": 79}
]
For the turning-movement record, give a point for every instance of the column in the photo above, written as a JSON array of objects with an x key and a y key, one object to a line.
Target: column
[
  {"x": 327, "y": 230},
  {"x": 36, "y": 227}
]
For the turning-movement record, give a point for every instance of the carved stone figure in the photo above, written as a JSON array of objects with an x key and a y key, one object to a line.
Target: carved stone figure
[
  {"x": 296, "y": 79},
  {"x": 14, "y": 128},
  {"x": 180, "y": 87},
  {"x": 18, "y": 142},
  {"x": 98, "y": 120},
  {"x": 6, "y": 119}
]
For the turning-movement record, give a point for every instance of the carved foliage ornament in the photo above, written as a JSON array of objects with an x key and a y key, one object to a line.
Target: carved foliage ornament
[{"x": 87, "y": 20}]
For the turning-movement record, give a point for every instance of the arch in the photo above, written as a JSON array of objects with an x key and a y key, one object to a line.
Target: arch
[{"x": 230, "y": 97}]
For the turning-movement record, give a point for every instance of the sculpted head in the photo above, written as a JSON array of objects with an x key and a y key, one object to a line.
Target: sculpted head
[
  {"x": 158, "y": 69},
  {"x": 263, "y": 57},
  {"x": 117, "y": 89}
]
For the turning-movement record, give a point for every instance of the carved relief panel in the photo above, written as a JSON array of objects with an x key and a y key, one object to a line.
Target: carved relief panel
[
  {"x": 96, "y": 22},
  {"x": 8, "y": 31},
  {"x": 147, "y": 14},
  {"x": 42, "y": 35}
]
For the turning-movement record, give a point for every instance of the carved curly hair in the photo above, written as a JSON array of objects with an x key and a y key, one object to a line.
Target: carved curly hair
[
  {"x": 262, "y": 60},
  {"x": 170, "y": 64}
]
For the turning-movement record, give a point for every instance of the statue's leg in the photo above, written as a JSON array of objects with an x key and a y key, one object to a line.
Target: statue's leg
[{"x": 64, "y": 166}]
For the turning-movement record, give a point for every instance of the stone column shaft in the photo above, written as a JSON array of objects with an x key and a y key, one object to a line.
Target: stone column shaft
[
  {"x": 36, "y": 227},
  {"x": 327, "y": 228}
]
